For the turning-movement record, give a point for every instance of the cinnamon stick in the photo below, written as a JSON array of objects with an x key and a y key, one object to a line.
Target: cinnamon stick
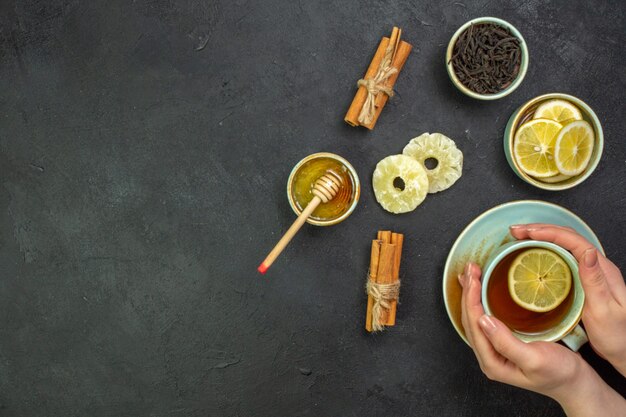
[
  {"x": 402, "y": 54},
  {"x": 397, "y": 239},
  {"x": 401, "y": 51},
  {"x": 385, "y": 274},
  {"x": 394, "y": 39},
  {"x": 352, "y": 117},
  {"x": 385, "y": 236},
  {"x": 384, "y": 269},
  {"x": 374, "y": 261}
]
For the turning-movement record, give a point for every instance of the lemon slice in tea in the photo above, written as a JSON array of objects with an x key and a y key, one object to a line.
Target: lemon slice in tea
[
  {"x": 558, "y": 110},
  {"x": 533, "y": 147},
  {"x": 573, "y": 147},
  {"x": 539, "y": 280}
]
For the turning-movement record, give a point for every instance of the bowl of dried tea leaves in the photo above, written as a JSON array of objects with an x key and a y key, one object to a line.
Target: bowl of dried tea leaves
[{"x": 487, "y": 58}]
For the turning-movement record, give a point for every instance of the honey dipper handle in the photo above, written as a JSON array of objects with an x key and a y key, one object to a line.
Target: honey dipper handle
[{"x": 289, "y": 234}]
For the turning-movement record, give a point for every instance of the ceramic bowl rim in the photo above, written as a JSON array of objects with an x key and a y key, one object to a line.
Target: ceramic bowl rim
[
  {"x": 523, "y": 66},
  {"x": 353, "y": 174}
]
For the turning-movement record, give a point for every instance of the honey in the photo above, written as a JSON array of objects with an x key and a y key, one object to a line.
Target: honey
[{"x": 304, "y": 179}]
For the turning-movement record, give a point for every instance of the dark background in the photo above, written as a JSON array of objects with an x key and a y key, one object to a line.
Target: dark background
[{"x": 144, "y": 152}]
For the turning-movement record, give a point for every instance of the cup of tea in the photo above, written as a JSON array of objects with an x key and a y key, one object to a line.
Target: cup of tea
[{"x": 558, "y": 323}]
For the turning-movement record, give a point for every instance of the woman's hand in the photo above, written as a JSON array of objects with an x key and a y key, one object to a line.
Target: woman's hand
[
  {"x": 604, "y": 313},
  {"x": 546, "y": 368}
]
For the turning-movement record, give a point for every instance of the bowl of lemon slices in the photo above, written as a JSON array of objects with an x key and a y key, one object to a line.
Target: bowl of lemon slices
[{"x": 554, "y": 141}]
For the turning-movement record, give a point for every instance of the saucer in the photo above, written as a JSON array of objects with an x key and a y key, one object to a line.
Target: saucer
[{"x": 489, "y": 231}]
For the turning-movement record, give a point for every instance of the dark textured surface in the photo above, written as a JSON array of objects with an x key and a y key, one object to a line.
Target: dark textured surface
[{"x": 144, "y": 150}]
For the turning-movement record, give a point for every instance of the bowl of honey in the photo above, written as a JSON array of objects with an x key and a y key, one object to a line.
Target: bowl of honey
[{"x": 301, "y": 181}]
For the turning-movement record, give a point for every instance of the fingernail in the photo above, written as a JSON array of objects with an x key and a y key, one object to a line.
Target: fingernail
[
  {"x": 517, "y": 226},
  {"x": 461, "y": 279},
  {"x": 487, "y": 324},
  {"x": 590, "y": 258}
]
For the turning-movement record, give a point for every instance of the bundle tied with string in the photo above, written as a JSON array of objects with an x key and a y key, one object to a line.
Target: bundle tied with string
[
  {"x": 383, "y": 283},
  {"x": 376, "y": 86},
  {"x": 383, "y": 295}
]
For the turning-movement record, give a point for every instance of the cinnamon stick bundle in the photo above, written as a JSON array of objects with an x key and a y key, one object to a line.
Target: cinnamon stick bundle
[
  {"x": 383, "y": 285},
  {"x": 377, "y": 85}
]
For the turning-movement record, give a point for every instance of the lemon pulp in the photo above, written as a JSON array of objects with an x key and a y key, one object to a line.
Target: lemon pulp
[
  {"x": 560, "y": 111},
  {"x": 539, "y": 280},
  {"x": 533, "y": 147},
  {"x": 573, "y": 147}
]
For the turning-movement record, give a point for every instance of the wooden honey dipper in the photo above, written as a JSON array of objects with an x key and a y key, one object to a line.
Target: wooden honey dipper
[{"x": 325, "y": 189}]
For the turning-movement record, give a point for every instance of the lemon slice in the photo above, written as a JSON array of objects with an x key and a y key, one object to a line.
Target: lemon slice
[
  {"x": 573, "y": 147},
  {"x": 539, "y": 280},
  {"x": 533, "y": 147},
  {"x": 555, "y": 179},
  {"x": 558, "y": 110},
  {"x": 400, "y": 183}
]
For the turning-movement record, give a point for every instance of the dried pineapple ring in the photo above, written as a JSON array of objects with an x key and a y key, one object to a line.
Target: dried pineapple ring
[
  {"x": 443, "y": 149},
  {"x": 400, "y": 183}
]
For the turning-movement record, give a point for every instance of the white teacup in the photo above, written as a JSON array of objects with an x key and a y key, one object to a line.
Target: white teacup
[{"x": 567, "y": 330}]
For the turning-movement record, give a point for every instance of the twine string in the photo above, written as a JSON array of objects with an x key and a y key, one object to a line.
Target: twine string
[
  {"x": 377, "y": 85},
  {"x": 382, "y": 294}
]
